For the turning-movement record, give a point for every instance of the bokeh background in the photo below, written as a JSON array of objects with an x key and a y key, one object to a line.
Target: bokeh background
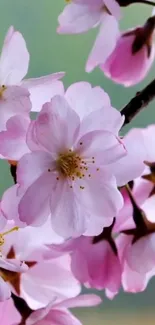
[{"x": 37, "y": 21}]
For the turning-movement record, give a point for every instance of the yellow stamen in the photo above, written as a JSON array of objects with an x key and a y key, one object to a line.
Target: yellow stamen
[
  {"x": 6, "y": 233},
  {"x": 68, "y": 165},
  {"x": 2, "y": 89}
]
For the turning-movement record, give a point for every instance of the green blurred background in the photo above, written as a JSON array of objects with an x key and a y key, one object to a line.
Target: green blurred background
[{"x": 37, "y": 21}]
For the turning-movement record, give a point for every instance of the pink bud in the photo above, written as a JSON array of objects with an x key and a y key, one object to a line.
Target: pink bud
[{"x": 133, "y": 55}]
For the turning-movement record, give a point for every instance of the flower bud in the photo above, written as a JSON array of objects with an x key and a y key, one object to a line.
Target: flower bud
[{"x": 133, "y": 55}]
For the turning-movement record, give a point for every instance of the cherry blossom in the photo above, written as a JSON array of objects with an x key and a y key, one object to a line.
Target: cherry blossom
[
  {"x": 80, "y": 16},
  {"x": 43, "y": 280},
  {"x": 91, "y": 115},
  {"x": 81, "y": 211},
  {"x": 72, "y": 166}
]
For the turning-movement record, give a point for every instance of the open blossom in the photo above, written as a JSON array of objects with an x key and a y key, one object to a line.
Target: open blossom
[
  {"x": 133, "y": 55},
  {"x": 81, "y": 15},
  {"x": 15, "y": 94},
  {"x": 58, "y": 313},
  {"x": 43, "y": 280},
  {"x": 70, "y": 166},
  {"x": 68, "y": 169},
  {"x": 95, "y": 264}
]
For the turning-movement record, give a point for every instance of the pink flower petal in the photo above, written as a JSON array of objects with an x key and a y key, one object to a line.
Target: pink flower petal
[
  {"x": 40, "y": 314},
  {"x": 106, "y": 118},
  {"x": 86, "y": 300},
  {"x": 101, "y": 186},
  {"x": 57, "y": 282},
  {"x": 132, "y": 281},
  {"x": 5, "y": 292},
  {"x": 66, "y": 209},
  {"x": 55, "y": 116},
  {"x": 104, "y": 146},
  {"x": 142, "y": 263},
  {"x": 31, "y": 137},
  {"x": 148, "y": 208},
  {"x": 77, "y": 18},
  {"x": 15, "y": 101},
  {"x": 84, "y": 99},
  {"x": 31, "y": 166},
  {"x": 132, "y": 165},
  {"x": 8, "y": 313},
  {"x": 14, "y": 58},
  {"x": 149, "y": 143},
  {"x": 13, "y": 265},
  {"x": 104, "y": 45},
  {"x": 9, "y": 205},
  {"x": 113, "y": 7},
  {"x": 43, "y": 89},
  {"x": 59, "y": 317},
  {"x": 3, "y": 221},
  {"x": 36, "y": 212},
  {"x": 13, "y": 141}
]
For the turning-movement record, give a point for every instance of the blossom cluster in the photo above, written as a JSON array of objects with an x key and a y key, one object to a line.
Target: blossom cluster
[
  {"x": 81, "y": 212},
  {"x": 114, "y": 51}
]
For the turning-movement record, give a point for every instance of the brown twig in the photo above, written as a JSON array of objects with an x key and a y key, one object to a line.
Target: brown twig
[
  {"x": 22, "y": 308},
  {"x": 125, "y": 3},
  {"x": 140, "y": 101},
  {"x": 13, "y": 170}
]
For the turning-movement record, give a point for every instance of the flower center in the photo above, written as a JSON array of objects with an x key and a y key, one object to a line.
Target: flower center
[
  {"x": 2, "y": 89},
  {"x": 69, "y": 164}
]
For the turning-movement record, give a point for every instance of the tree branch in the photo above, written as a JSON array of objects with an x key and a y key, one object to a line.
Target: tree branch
[
  {"x": 22, "y": 308},
  {"x": 13, "y": 170},
  {"x": 140, "y": 101}
]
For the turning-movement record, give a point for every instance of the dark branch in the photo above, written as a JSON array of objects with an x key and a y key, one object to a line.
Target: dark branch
[
  {"x": 124, "y": 3},
  {"x": 13, "y": 170},
  {"x": 107, "y": 235},
  {"x": 140, "y": 101},
  {"x": 22, "y": 308}
]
